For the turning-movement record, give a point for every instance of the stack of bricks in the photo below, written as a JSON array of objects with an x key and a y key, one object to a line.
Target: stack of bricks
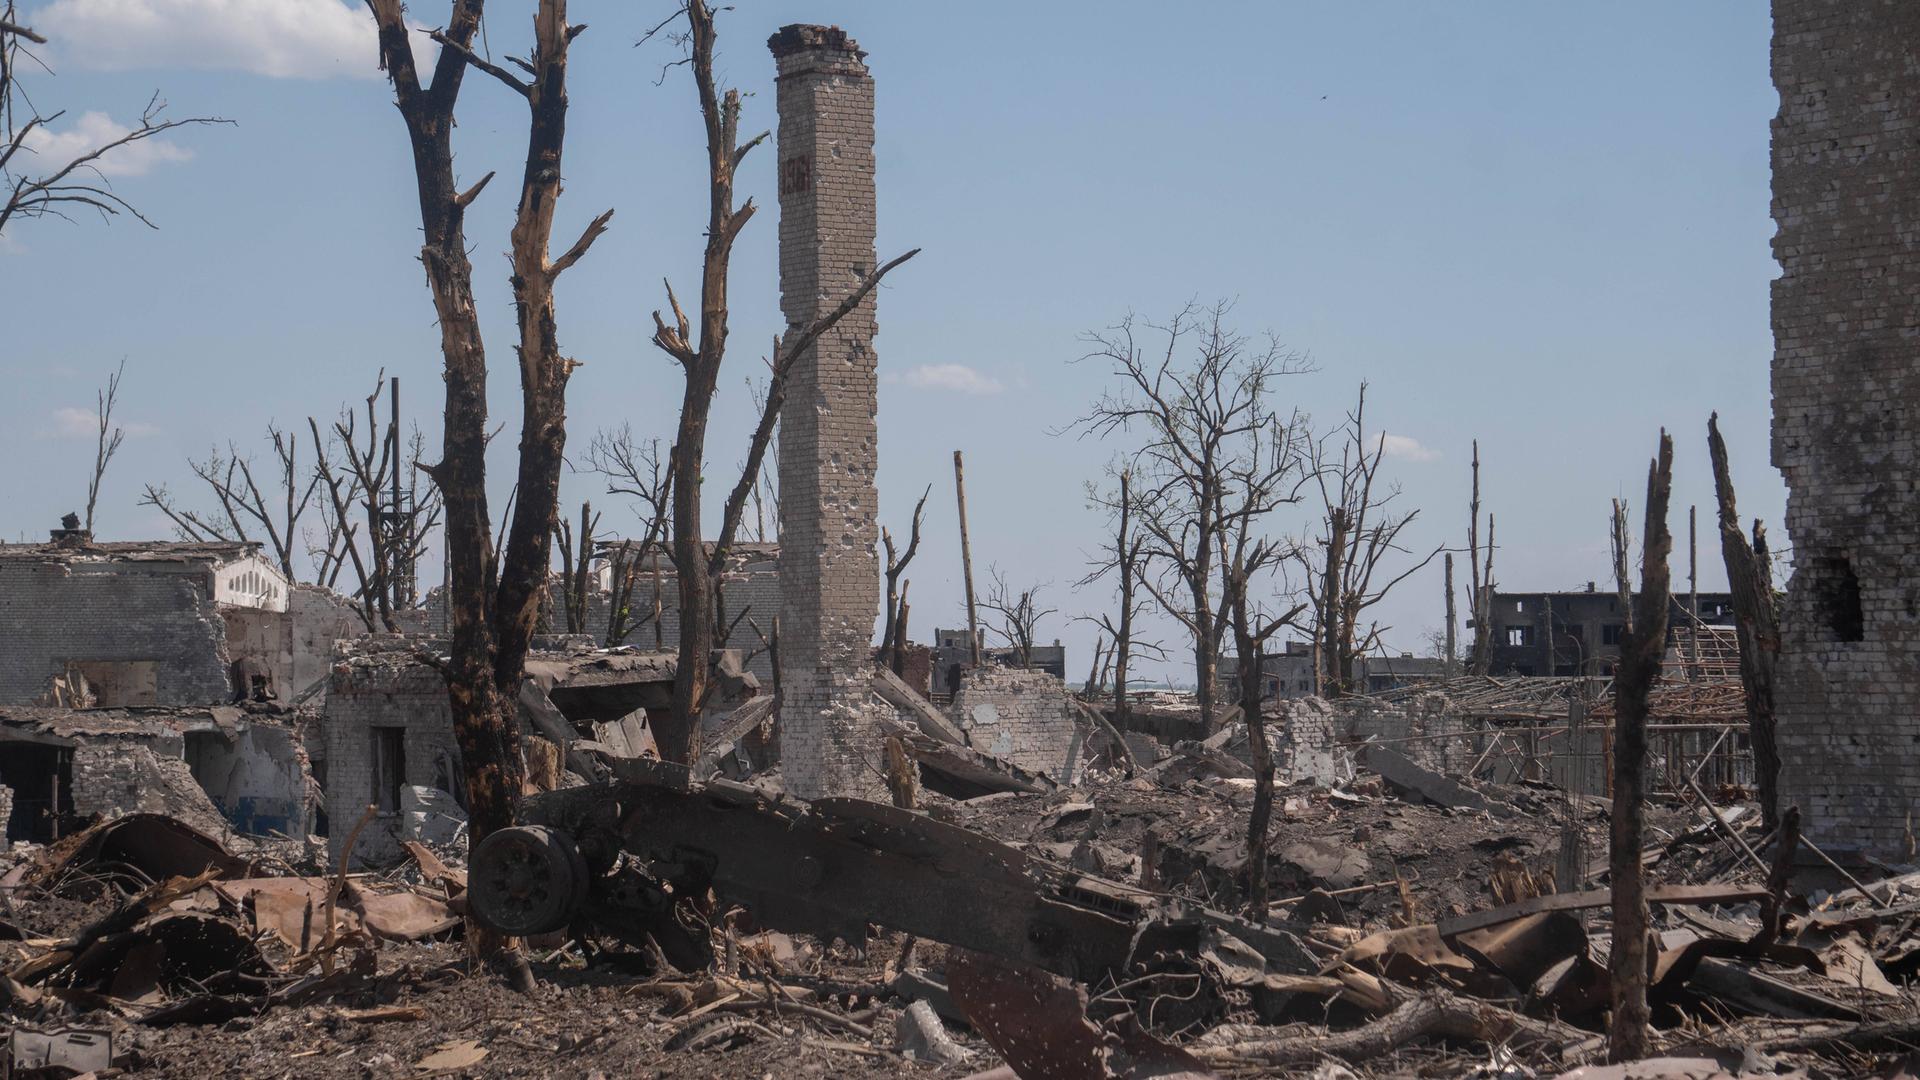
[
  {"x": 1846, "y": 383},
  {"x": 830, "y": 741},
  {"x": 1023, "y": 717}
]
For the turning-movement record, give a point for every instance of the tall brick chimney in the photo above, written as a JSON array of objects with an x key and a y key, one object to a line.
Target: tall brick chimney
[{"x": 829, "y": 574}]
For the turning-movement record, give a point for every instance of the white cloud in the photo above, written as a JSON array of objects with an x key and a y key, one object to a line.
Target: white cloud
[
  {"x": 289, "y": 39},
  {"x": 70, "y": 422},
  {"x": 958, "y": 378},
  {"x": 1406, "y": 448},
  {"x": 96, "y": 129}
]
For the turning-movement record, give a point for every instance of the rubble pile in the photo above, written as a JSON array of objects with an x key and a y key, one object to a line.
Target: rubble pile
[{"x": 1418, "y": 924}]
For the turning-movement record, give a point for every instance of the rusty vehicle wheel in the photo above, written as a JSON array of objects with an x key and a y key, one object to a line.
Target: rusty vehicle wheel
[{"x": 526, "y": 880}]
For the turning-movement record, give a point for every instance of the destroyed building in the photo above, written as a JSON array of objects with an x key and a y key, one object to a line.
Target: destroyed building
[
  {"x": 1578, "y": 633},
  {"x": 150, "y": 623},
  {"x": 216, "y": 767},
  {"x": 159, "y": 623},
  {"x": 1846, "y": 199},
  {"x": 953, "y": 658},
  {"x": 1290, "y": 673},
  {"x": 390, "y": 743}
]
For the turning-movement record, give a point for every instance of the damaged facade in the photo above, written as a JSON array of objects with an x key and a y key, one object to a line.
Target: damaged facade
[
  {"x": 136, "y": 623},
  {"x": 1846, "y": 200},
  {"x": 216, "y": 768}
]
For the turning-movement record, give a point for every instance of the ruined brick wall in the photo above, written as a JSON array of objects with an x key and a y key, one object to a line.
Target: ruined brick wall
[
  {"x": 53, "y": 612},
  {"x": 319, "y": 617},
  {"x": 828, "y": 450},
  {"x": 1424, "y": 728},
  {"x": 1023, "y": 717},
  {"x": 1846, "y": 312},
  {"x": 1305, "y": 741},
  {"x": 127, "y": 774},
  {"x": 383, "y": 692}
]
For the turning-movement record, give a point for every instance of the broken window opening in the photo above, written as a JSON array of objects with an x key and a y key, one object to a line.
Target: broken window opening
[
  {"x": 389, "y": 767},
  {"x": 1836, "y": 596},
  {"x": 41, "y": 777},
  {"x": 1519, "y": 636},
  {"x": 1610, "y": 633}
]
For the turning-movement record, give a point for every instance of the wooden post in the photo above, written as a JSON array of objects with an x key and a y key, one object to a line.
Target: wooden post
[
  {"x": 1693, "y": 591},
  {"x": 966, "y": 560},
  {"x": 1452, "y": 638}
]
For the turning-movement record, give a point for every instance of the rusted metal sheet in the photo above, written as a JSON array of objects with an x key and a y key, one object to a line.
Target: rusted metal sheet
[{"x": 1039, "y": 1025}]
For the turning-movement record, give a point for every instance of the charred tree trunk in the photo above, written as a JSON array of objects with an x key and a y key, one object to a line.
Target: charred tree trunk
[
  {"x": 1451, "y": 659},
  {"x": 1642, "y": 649},
  {"x": 1750, "y": 579},
  {"x": 1335, "y": 636},
  {"x": 1127, "y": 552},
  {"x": 491, "y": 620},
  {"x": 1480, "y": 571}
]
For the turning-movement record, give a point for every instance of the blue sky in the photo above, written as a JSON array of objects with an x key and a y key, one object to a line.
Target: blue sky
[{"x": 1544, "y": 226}]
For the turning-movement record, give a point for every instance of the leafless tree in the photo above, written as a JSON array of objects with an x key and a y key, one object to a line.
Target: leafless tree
[
  {"x": 1018, "y": 611},
  {"x": 1481, "y": 575},
  {"x": 702, "y": 566},
  {"x": 493, "y": 604},
  {"x": 1360, "y": 531},
  {"x": 108, "y": 435},
  {"x": 576, "y": 559},
  {"x": 32, "y": 186},
  {"x": 894, "y": 635},
  {"x": 1201, "y": 420},
  {"x": 1124, "y": 559},
  {"x": 1757, "y": 622},
  {"x": 1643, "y": 644},
  {"x": 244, "y": 507}
]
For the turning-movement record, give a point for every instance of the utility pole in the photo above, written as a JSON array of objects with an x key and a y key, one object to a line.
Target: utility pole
[
  {"x": 1452, "y": 638},
  {"x": 966, "y": 559},
  {"x": 1693, "y": 592}
]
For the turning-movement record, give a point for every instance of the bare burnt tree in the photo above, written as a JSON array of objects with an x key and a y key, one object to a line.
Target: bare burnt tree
[
  {"x": 108, "y": 435},
  {"x": 1018, "y": 611},
  {"x": 1481, "y": 577},
  {"x": 245, "y": 513},
  {"x": 576, "y": 559},
  {"x": 34, "y": 186},
  {"x": 380, "y": 504},
  {"x": 1252, "y": 629},
  {"x": 702, "y": 566},
  {"x": 1643, "y": 644},
  {"x": 493, "y": 604},
  {"x": 1124, "y": 559},
  {"x": 1757, "y": 622},
  {"x": 640, "y": 473},
  {"x": 1201, "y": 419},
  {"x": 896, "y": 596},
  {"x": 1361, "y": 529}
]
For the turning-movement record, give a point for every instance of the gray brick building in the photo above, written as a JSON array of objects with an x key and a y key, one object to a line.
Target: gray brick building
[
  {"x": 150, "y": 623},
  {"x": 1846, "y": 383}
]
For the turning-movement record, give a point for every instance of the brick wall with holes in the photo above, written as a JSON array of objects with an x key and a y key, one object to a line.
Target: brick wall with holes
[{"x": 1846, "y": 393}]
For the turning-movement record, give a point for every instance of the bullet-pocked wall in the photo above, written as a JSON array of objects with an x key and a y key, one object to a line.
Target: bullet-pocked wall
[
  {"x": 1846, "y": 383},
  {"x": 829, "y": 507}
]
